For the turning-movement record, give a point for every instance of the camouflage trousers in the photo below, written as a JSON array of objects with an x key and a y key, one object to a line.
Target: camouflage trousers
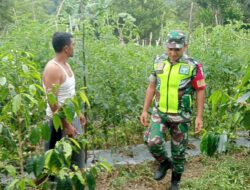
[{"x": 154, "y": 138}]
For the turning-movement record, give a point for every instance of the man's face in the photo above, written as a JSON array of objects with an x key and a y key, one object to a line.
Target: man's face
[
  {"x": 69, "y": 49},
  {"x": 175, "y": 53}
]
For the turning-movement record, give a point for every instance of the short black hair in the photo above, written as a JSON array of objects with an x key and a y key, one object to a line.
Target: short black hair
[{"x": 60, "y": 40}]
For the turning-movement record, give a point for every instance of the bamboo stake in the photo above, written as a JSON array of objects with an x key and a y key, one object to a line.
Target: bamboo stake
[
  {"x": 190, "y": 22},
  {"x": 58, "y": 12},
  {"x": 33, "y": 10},
  {"x": 20, "y": 145},
  {"x": 216, "y": 18},
  {"x": 84, "y": 74},
  {"x": 70, "y": 24},
  {"x": 150, "y": 38}
]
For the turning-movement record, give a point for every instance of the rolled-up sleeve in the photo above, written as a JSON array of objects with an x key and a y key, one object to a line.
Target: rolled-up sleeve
[
  {"x": 152, "y": 77},
  {"x": 198, "y": 81}
]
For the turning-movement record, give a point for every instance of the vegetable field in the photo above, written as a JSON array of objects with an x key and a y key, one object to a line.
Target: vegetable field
[{"x": 116, "y": 43}]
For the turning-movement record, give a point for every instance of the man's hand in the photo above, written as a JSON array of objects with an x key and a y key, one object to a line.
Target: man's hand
[
  {"x": 83, "y": 120},
  {"x": 144, "y": 119},
  {"x": 198, "y": 125},
  {"x": 70, "y": 131}
]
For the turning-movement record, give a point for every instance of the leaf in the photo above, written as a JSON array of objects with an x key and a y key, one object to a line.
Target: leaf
[
  {"x": 106, "y": 165},
  {"x": 243, "y": 97},
  {"x": 30, "y": 182},
  {"x": 77, "y": 180},
  {"x": 64, "y": 184},
  {"x": 75, "y": 143},
  {"x": 52, "y": 99},
  {"x": 34, "y": 135},
  {"x": 25, "y": 68},
  {"x": 246, "y": 120},
  {"x": 212, "y": 143},
  {"x": 122, "y": 14},
  {"x": 33, "y": 100},
  {"x": 39, "y": 87},
  {"x": 12, "y": 185},
  {"x": 29, "y": 164},
  {"x": 69, "y": 111},
  {"x": 84, "y": 98},
  {"x": 80, "y": 177},
  {"x": 76, "y": 106},
  {"x": 52, "y": 161},
  {"x": 48, "y": 155},
  {"x": 3, "y": 81},
  {"x": 90, "y": 181},
  {"x": 1, "y": 127},
  {"x": 22, "y": 184},
  {"x": 39, "y": 165},
  {"x": 214, "y": 99},
  {"x": 246, "y": 77},
  {"x": 11, "y": 170},
  {"x": 32, "y": 90},
  {"x": 45, "y": 131},
  {"x": 203, "y": 144},
  {"x": 56, "y": 121},
  {"x": 16, "y": 103},
  {"x": 67, "y": 150}
]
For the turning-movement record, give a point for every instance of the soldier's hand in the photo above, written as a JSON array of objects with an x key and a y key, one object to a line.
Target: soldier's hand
[
  {"x": 198, "y": 125},
  {"x": 144, "y": 118}
]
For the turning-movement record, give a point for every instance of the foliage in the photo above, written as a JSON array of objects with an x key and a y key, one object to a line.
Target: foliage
[
  {"x": 245, "y": 4},
  {"x": 117, "y": 79},
  {"x": 57, "y": 162},
  {"x": 149, "y": 15},
  {"x": 21, "y": 111},
  {"x": 222, "y": 11},
  {"x": 22, "y": 105},
  {"x": 222, "y": 52},
  {"x": 5, "y": 9},
  {"x": 116, "y": 69}
]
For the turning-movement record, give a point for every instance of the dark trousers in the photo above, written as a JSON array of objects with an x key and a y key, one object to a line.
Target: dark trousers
[{"x": 77, "y": 158}]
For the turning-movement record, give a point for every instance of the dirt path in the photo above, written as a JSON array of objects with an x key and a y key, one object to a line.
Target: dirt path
[{"x": 144, "y": 181}]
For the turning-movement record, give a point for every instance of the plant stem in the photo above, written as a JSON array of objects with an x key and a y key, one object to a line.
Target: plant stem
[{"x": 20, "y": 144}]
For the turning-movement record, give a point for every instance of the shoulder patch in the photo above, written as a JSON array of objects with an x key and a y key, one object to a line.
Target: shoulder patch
[
  {"x": 184, "y": 69},
  {"x": 160, "y": 66}
]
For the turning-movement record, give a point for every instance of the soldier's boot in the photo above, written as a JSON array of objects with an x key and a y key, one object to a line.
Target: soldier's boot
[
  {"x": 175, "y": 181},
  {"x": 162, "y": 170}
]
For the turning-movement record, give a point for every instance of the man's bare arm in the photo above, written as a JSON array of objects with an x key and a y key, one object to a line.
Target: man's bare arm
[
  {"x": 200, "y": 99},
  {"x": 148, "y": 99}
]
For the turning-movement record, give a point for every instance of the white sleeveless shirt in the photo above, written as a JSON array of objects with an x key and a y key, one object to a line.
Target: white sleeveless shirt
[{"x": 66, "y": 90}]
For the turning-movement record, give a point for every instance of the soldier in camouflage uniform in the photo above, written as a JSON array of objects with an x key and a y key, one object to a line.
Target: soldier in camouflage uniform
[{"x": 174, "y": 80}]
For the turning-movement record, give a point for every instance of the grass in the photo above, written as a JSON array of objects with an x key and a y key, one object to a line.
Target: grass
[
  {"x": 230, "y": 171},
  {"x": 225, "y": 171}
]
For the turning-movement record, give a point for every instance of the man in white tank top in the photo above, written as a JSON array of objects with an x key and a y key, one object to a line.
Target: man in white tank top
[{"x": 58, "y": 72}]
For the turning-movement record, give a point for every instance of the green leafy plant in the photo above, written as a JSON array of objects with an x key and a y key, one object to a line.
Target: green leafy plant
[{"x": 57, "y": 162}]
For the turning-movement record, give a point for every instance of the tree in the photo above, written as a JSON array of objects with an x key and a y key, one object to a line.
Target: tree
[
  {"x": 219, "y": 11},
  {"x": 149, "y": 15},
  {"x": 245, "y": 6},
  {"x": 5, "y": 12}
]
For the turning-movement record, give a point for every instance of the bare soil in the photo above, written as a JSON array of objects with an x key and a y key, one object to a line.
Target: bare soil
[
  {"x": 142, "y": 175},
  {"x": 194, "y": 168}
]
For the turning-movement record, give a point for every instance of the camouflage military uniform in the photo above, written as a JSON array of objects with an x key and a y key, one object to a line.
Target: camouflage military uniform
[{"x": 166, "y": 117}]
